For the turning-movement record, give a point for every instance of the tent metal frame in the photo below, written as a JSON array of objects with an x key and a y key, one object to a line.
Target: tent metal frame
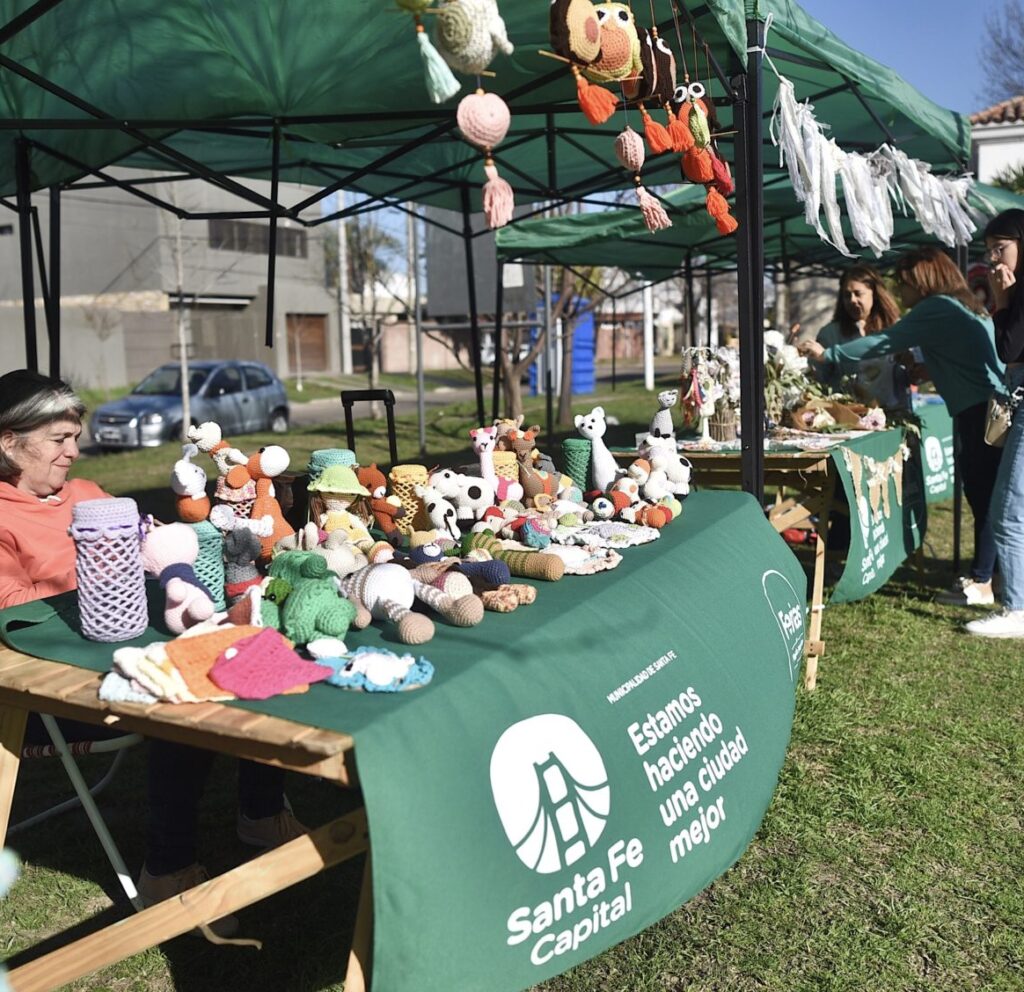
[{"x": 744, "y": 92}]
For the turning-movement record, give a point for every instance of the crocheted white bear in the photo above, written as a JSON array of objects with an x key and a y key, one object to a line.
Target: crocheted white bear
[{"x": 603, "y": 470}]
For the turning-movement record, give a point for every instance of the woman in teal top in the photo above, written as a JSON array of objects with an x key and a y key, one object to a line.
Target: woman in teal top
[{"x": 955, "y": 335}]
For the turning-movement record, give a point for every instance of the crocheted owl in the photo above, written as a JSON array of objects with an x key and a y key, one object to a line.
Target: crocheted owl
[
  {"x": 469, "y": 33},
  {"x": 620, "y": 45}
]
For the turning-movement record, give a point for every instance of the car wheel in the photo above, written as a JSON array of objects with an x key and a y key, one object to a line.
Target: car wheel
[{"x": 279, "y": 421}]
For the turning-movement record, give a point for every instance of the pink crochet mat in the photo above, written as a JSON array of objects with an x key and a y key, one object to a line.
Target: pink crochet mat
[{"x": 263, "y": 666}]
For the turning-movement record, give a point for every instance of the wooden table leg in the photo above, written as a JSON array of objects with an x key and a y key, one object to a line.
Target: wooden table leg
[
  {"x": 12, "y": 733},
  {"x": 815, "y": 647},
  {"x": 299, "y": 859},
  {"x": 356, "y": 977}
]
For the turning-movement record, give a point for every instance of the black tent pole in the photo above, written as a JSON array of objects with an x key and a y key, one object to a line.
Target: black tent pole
[
  {"x": 707, "y": 298},
  {"x": 28, "y": 292},
  {"x": 499, "y": 308},
  {"x": 268, "y": 338},
  {"x": 474, "y": 318},
  {"x": 53, "y": 322},
  {"x": 750, "y": 260}
]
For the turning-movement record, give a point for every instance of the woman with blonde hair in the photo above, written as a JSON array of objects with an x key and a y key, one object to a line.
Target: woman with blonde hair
[{"x": 955, "y": 335}]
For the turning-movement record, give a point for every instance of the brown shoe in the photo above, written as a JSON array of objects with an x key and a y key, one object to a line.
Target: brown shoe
[
  {"x": 157, "y": 888},
  {"x": 270, "y": 831}
]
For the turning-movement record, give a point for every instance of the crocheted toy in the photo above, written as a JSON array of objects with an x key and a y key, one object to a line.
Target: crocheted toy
[
  {"x": 264, "y": 466},
  {"x": 471, "y": 494},
  {"x": 441, "y": 512},
  {"x": 338, "y": 489},
  {"x": 484, "y": 442},
  {"x": 386, "y": 510},
  {"x": 207, "y": 437},
  {"x": 484, "y": 120},
  {"x": 526, "y": 564},
  {"x": 241, "y": 549},
  {"x": 469, "y": 34},
  {"x": 169, "y": 553},
  {"x": 441, "y": 82},
  {"x": 619, "y": 59},
  {"x": 534, "y": 480},
  {"x": 629, "y": 150},
  {"x": 379, "y": 670},
  {"x": 661, "y": 422},
  {"x": 387, "y": 591},
  {"x": 603, "y": 470},
  {"x": 341, "y": 555},
  {"x": 312, "y": 608},
  {"x": 108, "y": 569},
  {"x": 665, "y": 458},
  {"x": 188, "y": 481},
  {"x": 321, "y": 458},
  {"x": 575, "y": 34}
]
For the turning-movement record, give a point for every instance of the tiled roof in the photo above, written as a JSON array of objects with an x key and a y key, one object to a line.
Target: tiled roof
[{"x": 1007, "y": 112}]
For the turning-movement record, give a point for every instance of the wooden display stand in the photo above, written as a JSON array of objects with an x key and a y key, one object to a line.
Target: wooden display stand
[{"x": 30, "y": 684}]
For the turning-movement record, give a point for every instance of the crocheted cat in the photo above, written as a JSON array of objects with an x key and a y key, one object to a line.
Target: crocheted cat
[
  {"x": 169, "y": 553},
  {"x": 661, "y": 422},
  {"x": 603, "y": 469}
]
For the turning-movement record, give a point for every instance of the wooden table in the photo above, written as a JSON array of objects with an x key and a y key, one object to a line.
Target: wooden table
[
  {"x": 31, "y": 684},
  {"x": 804, "y": 484}
]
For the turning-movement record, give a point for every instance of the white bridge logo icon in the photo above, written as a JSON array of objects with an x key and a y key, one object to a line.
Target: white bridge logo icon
[
  {"x": 933, "y": 453},
  {"x": 551, "y": 791}
]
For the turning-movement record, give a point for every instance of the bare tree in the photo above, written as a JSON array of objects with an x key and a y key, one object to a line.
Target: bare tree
[{"x": 1003, "y": 50}]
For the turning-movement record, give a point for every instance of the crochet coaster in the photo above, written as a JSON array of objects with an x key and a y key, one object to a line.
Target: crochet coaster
[
  {"x": 263, "y": 666},
  {"x": 615, "y": 534},
  {"x": 115, "y": 688},
  {"x": 195, "y": 656},
  {"x": 583, "y": 560},
  {"x": 379, "y": 670}
]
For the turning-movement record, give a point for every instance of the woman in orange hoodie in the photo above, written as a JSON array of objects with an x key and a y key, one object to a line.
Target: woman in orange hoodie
[{"x": 40, "y": 424}]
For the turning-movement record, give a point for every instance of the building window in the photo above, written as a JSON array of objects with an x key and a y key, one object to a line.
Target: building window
[
  {"x": 254, "y": 239},
  {"x": 6, "y": 229}
]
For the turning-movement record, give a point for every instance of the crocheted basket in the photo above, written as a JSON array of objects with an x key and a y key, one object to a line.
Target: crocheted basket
[
  {"x": 506, "y": 465},
  {"x": 322, "y": 457},
  {"x": 576, "y": 460},
  {"x": 209, "y": 565},
  {"x": 108, "y": 567},
  {"x": 241, "y": 500},
  {"x": 404, "y": 479}
]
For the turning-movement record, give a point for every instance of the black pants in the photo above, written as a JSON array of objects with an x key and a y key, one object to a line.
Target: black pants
[
  {"x": 177, "y": 776},
  {"x": 977, "y": 464}
]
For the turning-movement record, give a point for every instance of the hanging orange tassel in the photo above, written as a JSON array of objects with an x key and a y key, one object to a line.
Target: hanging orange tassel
[
  {"x": 658, "y": 138},
  {"x": 718, "y": 208},
  {"x": 595, "y": 101},
  {"x": 697, "y": 166},
  {"x": 679, "y": 133}
]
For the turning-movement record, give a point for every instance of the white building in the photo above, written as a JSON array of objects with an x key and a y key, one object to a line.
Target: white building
[{"x": 997, "y": 139}]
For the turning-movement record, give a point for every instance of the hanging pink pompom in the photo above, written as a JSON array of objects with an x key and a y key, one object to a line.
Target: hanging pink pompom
[
  {"x": 654, "y": 213},
  {"x": 483, "y": 119},
  {"x": 629, "y": 150},
  {"x": 499, "y": 200}
]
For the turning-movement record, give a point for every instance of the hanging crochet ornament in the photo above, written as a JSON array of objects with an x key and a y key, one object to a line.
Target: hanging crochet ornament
[
  {"x": 665, "y": 90},
  {"x": 575, "y": 36},
  {"x": 469, "y": 33},
  {"x": 629, "y": 150},
  {"x": 484, "y": 120},
  {"x": 697, "y": 160},
  {"x": 656, "y": 134},
  {"x": 619, "y": 60},
  {"x": 441, "y": 82}
]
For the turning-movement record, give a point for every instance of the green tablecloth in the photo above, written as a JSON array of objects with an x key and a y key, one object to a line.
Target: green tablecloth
[
  {"x": 578, "y": 768},
  {"x": 881, "y": 478}
]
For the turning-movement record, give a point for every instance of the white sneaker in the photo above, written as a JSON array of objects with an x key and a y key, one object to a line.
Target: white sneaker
[
  {"x": 967, "y": 592},
  {"x": 1005, "y": 623}
]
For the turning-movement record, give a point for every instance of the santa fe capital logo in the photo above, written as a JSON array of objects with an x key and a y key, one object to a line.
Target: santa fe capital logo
[{"x": 551, "y": 791}]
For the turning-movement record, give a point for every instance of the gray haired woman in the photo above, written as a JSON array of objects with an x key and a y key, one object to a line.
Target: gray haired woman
[{"x": 40, "y": 423}]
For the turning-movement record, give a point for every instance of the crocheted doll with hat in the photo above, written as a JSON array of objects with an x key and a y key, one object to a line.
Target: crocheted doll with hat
[
  {"x": 188, "y": 482},
  {"x": 169, "y": 553},
  {"x": 334, "y": 493}
]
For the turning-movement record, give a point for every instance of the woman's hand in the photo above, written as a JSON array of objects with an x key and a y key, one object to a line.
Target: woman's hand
[
  {"x": 1002, "y": 280},
  {"x": 812, "y": 350}
]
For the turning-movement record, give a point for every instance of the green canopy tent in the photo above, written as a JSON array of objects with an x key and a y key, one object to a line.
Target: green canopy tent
[{"x": 332, "y": 94}]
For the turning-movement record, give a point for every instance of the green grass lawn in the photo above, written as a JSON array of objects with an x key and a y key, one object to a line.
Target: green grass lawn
[{"x": 889, "y": 859}]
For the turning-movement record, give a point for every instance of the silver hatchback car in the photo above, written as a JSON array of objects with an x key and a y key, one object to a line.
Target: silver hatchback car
[{"x": 240, "y": 396}]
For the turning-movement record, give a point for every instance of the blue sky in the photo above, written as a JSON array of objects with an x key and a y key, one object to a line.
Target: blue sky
[{"x": 935, "y": 45}]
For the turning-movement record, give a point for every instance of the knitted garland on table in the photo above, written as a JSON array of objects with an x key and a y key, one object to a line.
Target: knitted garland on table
[{"x": 108, "y": 569}]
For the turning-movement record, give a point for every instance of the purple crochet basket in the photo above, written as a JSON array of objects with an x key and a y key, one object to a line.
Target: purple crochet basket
[{"x": 111, "y": 583}]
